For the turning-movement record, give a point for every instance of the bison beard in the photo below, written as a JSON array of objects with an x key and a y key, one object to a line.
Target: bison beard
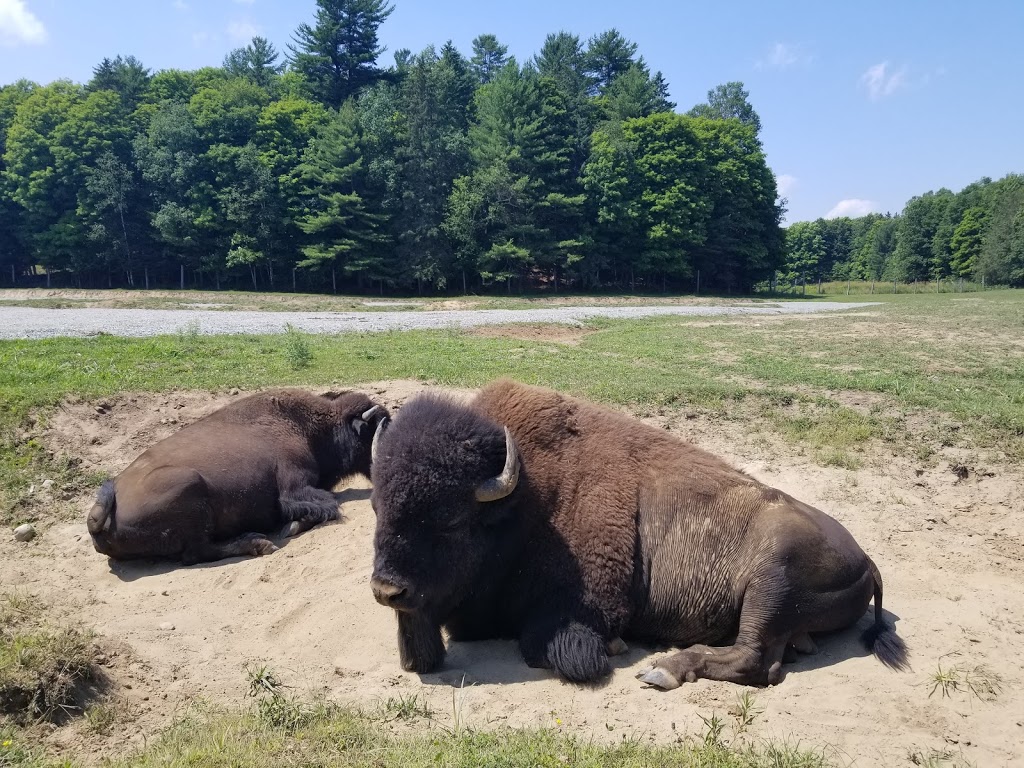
[{"x": 529, "y": 515}]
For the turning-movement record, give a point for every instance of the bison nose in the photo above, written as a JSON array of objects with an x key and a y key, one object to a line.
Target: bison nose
[{"x": 387, "y": 593}]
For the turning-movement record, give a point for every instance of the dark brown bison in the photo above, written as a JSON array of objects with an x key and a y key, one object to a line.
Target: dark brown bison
[
  {"x": 262, "y": 464},
  {"x": 530, "y": 515}
]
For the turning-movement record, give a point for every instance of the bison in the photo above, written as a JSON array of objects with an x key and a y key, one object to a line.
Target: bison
[
  {"x": 262, "y": 464},
  {"x": 530, "y": 515}
]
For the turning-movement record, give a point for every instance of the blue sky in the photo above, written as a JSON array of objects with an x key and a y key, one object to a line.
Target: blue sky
[{"x": 863, "y": 104}]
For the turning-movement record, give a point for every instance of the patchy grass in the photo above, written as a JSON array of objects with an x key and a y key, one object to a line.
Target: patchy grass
[
  {"x": 339, "y": 736},
  {"x": 40, "y": 667},
  {"x": 978, "y": 681},
  {"x": 917, "y": 373}
]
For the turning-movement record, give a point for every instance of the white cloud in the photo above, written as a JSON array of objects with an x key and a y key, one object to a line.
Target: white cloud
[
  {"x": 783, "y": 56},
  {"x": 201, "y": 38},
  {"x": 19, "y": 25},
  {"x": 785, "y": 183},
  {"x": 881, "y": 81},
  {"x": 180, "y": 5},
  {"x": 242, "y": 31},
  {"x": 853, "y": 207}
]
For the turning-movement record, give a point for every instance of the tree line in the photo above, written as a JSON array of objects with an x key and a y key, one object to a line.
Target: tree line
[
  {"x": 976, "y": 234},
  {"x": 443, "y": 171}
]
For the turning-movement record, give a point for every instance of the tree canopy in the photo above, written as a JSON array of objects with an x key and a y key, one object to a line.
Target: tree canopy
[{"x": 444, "y": 171}]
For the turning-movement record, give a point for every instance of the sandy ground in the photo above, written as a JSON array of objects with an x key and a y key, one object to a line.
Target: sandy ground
[{"x": 950, "y": 548}]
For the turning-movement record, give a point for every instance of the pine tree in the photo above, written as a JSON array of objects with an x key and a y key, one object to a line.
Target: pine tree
[
  {"x": 489, "y": 58},
  {"x": 337, "y": 56},
  {"x": 341, "y": 231}
]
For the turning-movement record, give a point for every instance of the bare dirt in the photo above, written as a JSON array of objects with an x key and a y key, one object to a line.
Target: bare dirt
[
  {"x": 948, "y": 537},
  {"x": 543, "y": 332}
]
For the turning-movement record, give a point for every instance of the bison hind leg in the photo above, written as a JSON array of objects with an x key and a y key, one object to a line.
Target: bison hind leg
[{"x": 247, "y": 545}]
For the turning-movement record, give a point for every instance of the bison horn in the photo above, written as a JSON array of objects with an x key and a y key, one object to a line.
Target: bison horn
[
  {"x": 501, "y": 486},
  {"x": 367, "y": 415},
  {"x": 376, "y": 438}
]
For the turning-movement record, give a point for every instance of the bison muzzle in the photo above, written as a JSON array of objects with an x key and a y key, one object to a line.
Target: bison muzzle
[{"x": 526, "y": 514}]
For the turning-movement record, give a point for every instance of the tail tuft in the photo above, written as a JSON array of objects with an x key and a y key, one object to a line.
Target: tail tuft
[
  {"x": 100, "y": 516},
  {"x": 881, "y": 639}
]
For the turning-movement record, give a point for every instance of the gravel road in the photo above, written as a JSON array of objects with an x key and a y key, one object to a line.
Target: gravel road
[{"x": 35, "y": 323}]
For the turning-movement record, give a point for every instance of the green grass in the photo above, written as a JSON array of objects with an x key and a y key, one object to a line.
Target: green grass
[{"x": 942, "y": 370}]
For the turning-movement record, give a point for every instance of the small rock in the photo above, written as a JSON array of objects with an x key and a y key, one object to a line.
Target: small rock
[
  {"x": 167, "y": 626},
  {"x": 234, "y": 391},
  {"x": 99, "y": 409},
  {"x": 24, "y": 532},
  {"x": 165, "y": 593},
  {"x": 47, "y": 485}
]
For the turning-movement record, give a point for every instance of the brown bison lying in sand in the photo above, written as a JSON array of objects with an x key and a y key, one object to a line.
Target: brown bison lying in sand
[
  {"x": 262, "y": 464},
  {"x": 526, "y": 514}
]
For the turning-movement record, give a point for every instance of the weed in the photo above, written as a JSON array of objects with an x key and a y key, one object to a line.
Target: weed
[
  {"x": 275, "y": 708},
  {"x": 745, "y": 711},
  {"x": 405, "y": 707},
  {"x": 296, "y": 348},
  {"x": 978, "y": 681},
  {"x": 939, "y": 758}
]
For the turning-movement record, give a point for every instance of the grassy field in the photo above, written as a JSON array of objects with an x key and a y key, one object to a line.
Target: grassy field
[{"x": 906, "y": 377}]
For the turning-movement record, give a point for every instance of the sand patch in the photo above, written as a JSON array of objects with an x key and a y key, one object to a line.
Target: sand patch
[{"x": 948, "y": 548}]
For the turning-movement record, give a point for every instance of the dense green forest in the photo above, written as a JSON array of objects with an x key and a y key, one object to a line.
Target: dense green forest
[
  {"x": 444, "y": 171},
  {"x": 320, "y": 168},
  {"x": 976, "y": 234}
]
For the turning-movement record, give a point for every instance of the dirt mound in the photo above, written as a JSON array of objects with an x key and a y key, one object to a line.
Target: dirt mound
[{"x": 949, "y": 549}]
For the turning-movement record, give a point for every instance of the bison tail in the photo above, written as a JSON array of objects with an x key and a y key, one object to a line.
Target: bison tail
[
  {"x": 881, "y": 638},
  {"x": 102, "y": 512}
]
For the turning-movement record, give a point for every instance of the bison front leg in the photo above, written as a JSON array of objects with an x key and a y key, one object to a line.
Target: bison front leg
[
  {"x": 574, "y": 650},
  {"x": 420, "y": 646},
  {"x": 305, "y": 507}
]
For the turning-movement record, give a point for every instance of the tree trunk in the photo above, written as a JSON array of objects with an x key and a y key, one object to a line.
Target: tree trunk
[
  {"x": 293, "y": 280},
  {"x": 47, "y": 277},
  {"x": 145, "y": 271},
  {"x": 698, "y": 282},
  {"x": 270, "y": 270},
  {"x": 183, "y": 277},
  {"x": 819, "y": 286},
  {"x": 872, "y": 286},
  {"x": 464, "y": 291},
  {"x": 632, "y": 281},
  {"x": 805, "y": 285},
  {"x": 894, "y": 286},
  {"x": 847, "y": 286},
  {"x": 334, "y": 280}
]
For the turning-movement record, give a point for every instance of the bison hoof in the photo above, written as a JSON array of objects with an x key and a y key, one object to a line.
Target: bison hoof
[
  {"x": 289, "y": 530},
  {"x": 616, "y": 647},
  {"x": 658, "y": 677},
  {"x": 263, "y": 548}
]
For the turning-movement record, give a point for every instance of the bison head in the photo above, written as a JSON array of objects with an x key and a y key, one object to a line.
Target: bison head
[
  {"x": 355, "y": 420},
  {"x": 444, "y": 482}
]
